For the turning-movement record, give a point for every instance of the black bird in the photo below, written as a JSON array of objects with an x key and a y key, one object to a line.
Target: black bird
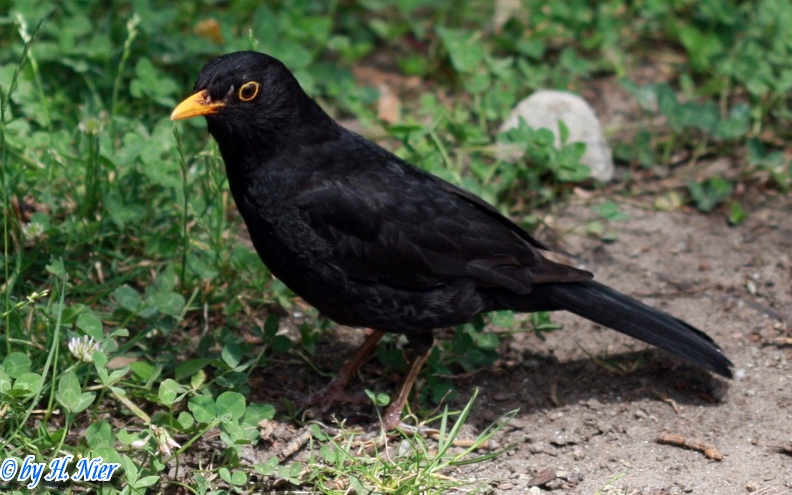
[{"x": 372, "y": 241}]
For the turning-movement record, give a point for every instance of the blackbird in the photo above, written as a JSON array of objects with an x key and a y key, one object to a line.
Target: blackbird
[{"x": 373, "y": 241}]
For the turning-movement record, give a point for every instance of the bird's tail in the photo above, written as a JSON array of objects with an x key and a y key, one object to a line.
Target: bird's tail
[{"x": 603, "y": 305}]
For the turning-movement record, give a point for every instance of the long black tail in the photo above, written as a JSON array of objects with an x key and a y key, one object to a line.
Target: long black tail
[{"x": 612, "y": 309}]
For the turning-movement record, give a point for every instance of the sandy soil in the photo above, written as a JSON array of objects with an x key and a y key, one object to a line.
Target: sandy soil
[
  {"x": 592, "y": 426},
  {"x": 586, "y": 428}
]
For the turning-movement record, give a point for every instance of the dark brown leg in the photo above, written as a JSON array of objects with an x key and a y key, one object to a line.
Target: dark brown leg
[
  {"x": 392, "y": 417},
  {"x": 334, "y": 392}
]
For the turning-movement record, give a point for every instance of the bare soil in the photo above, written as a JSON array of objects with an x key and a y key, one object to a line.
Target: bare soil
[
  {"x": 597, "y": 429},
  {"x": 593, "y": 402}
]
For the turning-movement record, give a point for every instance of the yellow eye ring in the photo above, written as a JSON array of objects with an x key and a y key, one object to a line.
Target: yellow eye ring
[{"x": 248, "y": 91}]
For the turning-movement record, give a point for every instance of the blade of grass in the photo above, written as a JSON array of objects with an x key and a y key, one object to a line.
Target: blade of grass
[
  {"x": 51, "y": 362},
  {"x": 185, "y": 205},
  {"x": 5, "y": 100},
  {"x": 132, "y": 32}
]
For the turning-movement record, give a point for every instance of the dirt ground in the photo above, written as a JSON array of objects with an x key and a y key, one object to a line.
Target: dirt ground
[
  {"x": 593, "y": 426},
  {"x": 586, "y": 428}
]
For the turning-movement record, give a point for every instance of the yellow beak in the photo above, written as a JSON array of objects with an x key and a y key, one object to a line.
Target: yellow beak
[{"x": 194, "y": 106}]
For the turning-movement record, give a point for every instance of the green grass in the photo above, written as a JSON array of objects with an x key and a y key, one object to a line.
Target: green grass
[{"x": 117, "y": 226}]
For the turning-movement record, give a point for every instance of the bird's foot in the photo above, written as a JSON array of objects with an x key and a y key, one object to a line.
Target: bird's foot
[
  {"x": 392, "y": 418},
  {"x": 380, "y": 433},
  {"x": 375, "y": 439},
  {"x": 335, "y": 391}
]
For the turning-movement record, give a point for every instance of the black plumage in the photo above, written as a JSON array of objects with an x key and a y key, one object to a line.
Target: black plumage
[{"x": 371, "y": 240}]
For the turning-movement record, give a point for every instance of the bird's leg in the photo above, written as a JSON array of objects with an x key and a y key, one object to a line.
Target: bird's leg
[
  {"x": 334, "y": 392},
  {"x": 422, "y": 343},
  {"x": 392, "y": 417}
]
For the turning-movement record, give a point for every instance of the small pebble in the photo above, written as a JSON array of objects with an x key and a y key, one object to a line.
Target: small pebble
[
  {"x": 536, "y": 448},
  {"x": 543, "y": 477}
]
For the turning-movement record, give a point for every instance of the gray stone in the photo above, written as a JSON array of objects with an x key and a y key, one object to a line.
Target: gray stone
[{"x": 544, "y": 109}]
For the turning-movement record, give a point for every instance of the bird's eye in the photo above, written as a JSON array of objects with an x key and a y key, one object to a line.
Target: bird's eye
[{"x": 248, "y": 91}]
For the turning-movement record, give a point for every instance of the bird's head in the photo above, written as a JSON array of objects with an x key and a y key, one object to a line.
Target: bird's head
[{"x": 246, "y": 94}]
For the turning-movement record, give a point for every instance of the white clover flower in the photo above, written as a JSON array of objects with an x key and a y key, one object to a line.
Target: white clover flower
[
  {"x": 83, "y": 347},
  {"x": 32, "y": 232},
  {"x": 91, "y": 126},
  {"x": 164, "y": 441},
  {"x": 140, "y": 443}
]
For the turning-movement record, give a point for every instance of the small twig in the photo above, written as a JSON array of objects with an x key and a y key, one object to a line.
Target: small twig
[
  {"x": 554, "y": 394},
  {"x": 465, "y": 443},
  {"x": 205, "y": 329},
  {"x": 297, "y": 442},
  {"x": 99, "y": 273},
  {"x": 667, "y": 400},
  {"x": 708, "y": 449}
]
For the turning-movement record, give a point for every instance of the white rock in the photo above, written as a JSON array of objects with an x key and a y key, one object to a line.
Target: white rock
[
  {"x": 505, "y": 10},
  {"x": 545, "y": 108}
]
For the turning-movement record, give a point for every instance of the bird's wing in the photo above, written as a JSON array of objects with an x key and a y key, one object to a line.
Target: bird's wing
[
  {"x": 415, "y": 231},
  {"x": 493, "y": 213}
]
